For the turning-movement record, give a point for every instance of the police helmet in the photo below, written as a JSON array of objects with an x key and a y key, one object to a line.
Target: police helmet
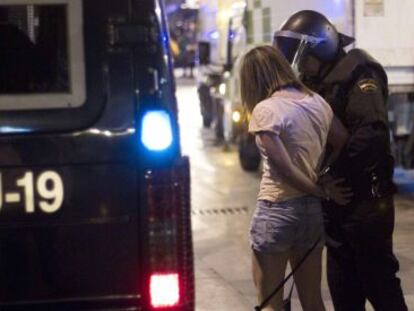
[{"x": 309, "y": 32}]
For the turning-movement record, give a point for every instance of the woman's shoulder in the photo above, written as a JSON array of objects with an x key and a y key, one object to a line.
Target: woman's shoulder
[
  {"x": 321, "y": 106},
  {"x": 269, "y": 110},
  {"x": 268, "y": 104},
  {"x": 273, "y": 102}
]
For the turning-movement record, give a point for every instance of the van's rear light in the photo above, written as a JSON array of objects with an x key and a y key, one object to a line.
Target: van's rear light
[
  {"x": 169, "y": 229},
  {"x": 164, "y": 290}
]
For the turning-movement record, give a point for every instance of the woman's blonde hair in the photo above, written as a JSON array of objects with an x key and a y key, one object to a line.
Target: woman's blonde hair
[{"x": 264, "y": 70}]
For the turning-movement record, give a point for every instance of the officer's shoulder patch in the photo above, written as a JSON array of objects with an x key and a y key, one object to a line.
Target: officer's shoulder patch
[{"x": 368, "y": 85}]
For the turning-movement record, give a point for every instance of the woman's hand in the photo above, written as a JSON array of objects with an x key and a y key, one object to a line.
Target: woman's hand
[{"x": 333, "y": 191}]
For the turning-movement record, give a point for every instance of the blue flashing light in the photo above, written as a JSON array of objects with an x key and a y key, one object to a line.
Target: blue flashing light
[{"x": 156, "y": 134}]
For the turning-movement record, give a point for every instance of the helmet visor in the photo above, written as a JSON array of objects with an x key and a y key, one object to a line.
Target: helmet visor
[
  {"x": 293, "y": 49},
  {"x": 288, "y": 46},
  {"x": 294, "y": 45}
]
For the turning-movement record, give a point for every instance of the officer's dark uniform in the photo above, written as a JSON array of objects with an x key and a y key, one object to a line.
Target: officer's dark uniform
[{"x": 361, "y": 263}]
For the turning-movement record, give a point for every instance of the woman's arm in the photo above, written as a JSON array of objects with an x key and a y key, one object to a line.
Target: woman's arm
[{"x": 278, "y": 155}]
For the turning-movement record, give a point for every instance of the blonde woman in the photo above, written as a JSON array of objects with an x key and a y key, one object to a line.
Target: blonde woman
[{"x": 291, "y": 125}]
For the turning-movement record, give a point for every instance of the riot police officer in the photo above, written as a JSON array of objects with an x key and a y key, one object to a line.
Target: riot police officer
[{"x": 361, "y": 264}]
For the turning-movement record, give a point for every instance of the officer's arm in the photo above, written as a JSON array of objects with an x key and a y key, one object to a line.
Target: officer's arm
[
  {"x": 366, "y": 117},
  {"x": 337, "y": 139}
]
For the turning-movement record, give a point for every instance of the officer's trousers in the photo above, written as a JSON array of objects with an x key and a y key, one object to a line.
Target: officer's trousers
[{"x": 364, "y": 266}]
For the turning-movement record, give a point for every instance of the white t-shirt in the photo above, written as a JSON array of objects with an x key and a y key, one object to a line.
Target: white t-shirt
[{"x": 302, "y": 123}]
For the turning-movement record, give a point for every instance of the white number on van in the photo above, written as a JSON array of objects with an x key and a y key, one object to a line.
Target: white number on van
[{"x": 49, "y": 187}]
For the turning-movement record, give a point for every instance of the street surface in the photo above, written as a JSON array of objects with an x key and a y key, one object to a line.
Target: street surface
[{"x": 223, "y": 200}]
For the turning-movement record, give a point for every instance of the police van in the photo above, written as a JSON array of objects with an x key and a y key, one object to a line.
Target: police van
[{"x": 94, "y": 191}]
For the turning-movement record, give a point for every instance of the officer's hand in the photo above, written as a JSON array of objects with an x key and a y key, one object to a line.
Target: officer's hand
[{"x": 340, "y": 194}]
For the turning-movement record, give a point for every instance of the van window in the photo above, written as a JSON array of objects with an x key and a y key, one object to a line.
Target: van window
[{"x": 41, "y": 54}]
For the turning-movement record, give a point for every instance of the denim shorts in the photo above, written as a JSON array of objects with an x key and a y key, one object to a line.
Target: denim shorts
[{"x": 294, "y": 224}]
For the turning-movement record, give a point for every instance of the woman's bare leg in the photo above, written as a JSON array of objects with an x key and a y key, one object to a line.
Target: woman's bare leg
[
  {"x": 268, "y": 272},
  {"x": 308, "y": 279}
]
